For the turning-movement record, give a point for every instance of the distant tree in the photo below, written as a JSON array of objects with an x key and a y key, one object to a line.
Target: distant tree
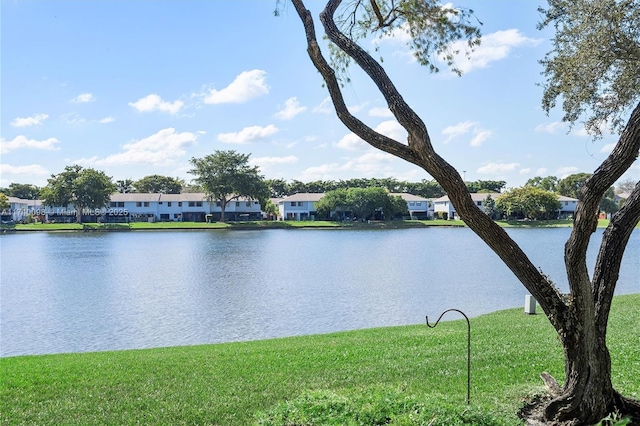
[
  {"x": 297, "y": 187},
  {"x": 548, "y": 183},
  {"x": 270, "y": 209},
  {"x": 335, "y": 200},
  {"x": 625, "y": 186},
  {"x": 486, "y": 186},
  {"x": 489, "y": 207},
  {"x": 278, "y": 188},
  {"x": 23, "y": 190},
  {"x": 608, "y": 205},
  {"x": 226, "y": 176},
  {"x": 572, "y": 184},
  {"x": 84, "y": 188},
  {"x": 124, "y": 186},
  {"x": 157, "y": 183},
  {"x": 529, "y": 202},
  {"x": 363, "y": 203},
  {"x": 4, "y": 201}
]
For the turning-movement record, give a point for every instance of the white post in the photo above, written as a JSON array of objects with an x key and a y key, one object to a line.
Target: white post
[{"x": 529, "y": 305}]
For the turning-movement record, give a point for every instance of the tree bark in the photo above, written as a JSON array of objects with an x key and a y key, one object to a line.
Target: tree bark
[{"x": 580, "y": 318}]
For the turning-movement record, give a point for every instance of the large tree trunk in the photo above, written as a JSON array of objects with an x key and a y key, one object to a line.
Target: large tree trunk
[{"x": 580, "y": 318}]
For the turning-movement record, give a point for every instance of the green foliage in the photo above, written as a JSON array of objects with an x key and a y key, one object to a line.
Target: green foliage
[
  {"x": 486, "y": 186},
  {"x": 226, "y": 175},
  {"x": 374, "y": 405},
  {"x": 361, "y": 203},
  {"x": 548, "y": 183},
  {"x": 572, "y": 184},
  {"x": 432, "y": 29},
  {"x": 426, "y": 188},
  {"x": 24, "y": 191},
  {"x": 608, "y": 205},
  {"x": 156, "y": 183},
  {"x": 125, "y": 186},
  {"x": 489, "y": 207},
  {"x": 84, "y": 188},
  {"x": 593, "y": 66},
  {"x": 4, "y": 201},
  {"x": 529, "y": 202}
]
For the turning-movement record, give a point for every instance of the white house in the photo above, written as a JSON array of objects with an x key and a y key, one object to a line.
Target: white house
[
  {"x": 419, "y": 207},
  {"x": 444, "y": 208},
  {"x": 299, "y": 206}
]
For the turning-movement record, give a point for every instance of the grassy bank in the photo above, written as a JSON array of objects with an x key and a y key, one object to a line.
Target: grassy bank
[
  {"x": 140, "y": 226},
  {"x": 401, "y": 373}
]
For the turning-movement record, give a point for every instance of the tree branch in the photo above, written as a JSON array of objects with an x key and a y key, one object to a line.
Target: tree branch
[{"x": 421, "y": 152}]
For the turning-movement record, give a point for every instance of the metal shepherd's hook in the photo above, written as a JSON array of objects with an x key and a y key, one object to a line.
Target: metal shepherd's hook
[{"x": 468, "y": 347}]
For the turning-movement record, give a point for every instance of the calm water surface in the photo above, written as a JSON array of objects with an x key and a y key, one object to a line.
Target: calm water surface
[{"x": 76, "y": 292}]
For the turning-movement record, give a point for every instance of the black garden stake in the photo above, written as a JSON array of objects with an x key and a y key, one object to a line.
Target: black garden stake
[{"x": 468, "y": 347}]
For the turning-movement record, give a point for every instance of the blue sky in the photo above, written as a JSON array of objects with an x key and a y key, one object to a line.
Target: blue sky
[{"x": 139, "y": 87}]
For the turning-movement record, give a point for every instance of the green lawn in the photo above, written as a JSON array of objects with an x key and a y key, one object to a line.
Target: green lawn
[
  {"x": 281, "y": 225},
  {"x": 406, "y": 375}
]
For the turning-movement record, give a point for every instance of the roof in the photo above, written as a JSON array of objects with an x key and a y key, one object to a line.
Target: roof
[
  {"x": 408, "y": 197},
  {"x": 475, "y": 196},
  {"x": 305, "y": 196}
]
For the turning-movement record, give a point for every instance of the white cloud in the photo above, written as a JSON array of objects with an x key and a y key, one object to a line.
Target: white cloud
[
  {"x": 83, "y": 98},
  {"x": 497, "y": 168},
  {"x": 551, "y": 128},
  {"x": 383, "y": 112},
  {"x": 494, "y": 47},
  {"x": 389, "y": 128},
  {"x": 354, "y": 109},
  {"x": 291, "y": 109},
  {"x": 325, "y": 107},
  {"x": 29, "y": 121},
  {"x": 72, "y": 118},
  {"x": 371, "y": 163},
  {"x": 159, "y": 149},
  {"x": 563, "y": 172},
  {"x": 29, "y": 170},
  {"x": 479, "y": 135},
  {"x": 525, "y": 172},
  {"x": 457, "y": 130},
  {"x": 246, "y": 86},
  {"x": 273, "y": 161},
  {"x": 154, "y": 102},
  {"x": 107, "y": 120},
  {"x": 248, "y": 134},
  {"x": 22, "y": 142},
  {"x": 541, "y": 171}
]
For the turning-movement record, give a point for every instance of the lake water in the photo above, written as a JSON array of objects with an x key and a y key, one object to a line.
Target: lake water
[{"x": 77, "y": 292}]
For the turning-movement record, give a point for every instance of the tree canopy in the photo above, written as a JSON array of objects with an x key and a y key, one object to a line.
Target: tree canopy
[
  {"x": 158, "y": 183},
  {"x": 84, "y": 188},
  {"x": 226, "y": 175},
  {"x": 361, "y": 203},
  {"x": 593, "y": 67},
  {"x": 529, "y": 203}
]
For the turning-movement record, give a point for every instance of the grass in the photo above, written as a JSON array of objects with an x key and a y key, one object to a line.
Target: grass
[
  {"x": 133, "y": 226},
  {"x": 405, "y": 375}
]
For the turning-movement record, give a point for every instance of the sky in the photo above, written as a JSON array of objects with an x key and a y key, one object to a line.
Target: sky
[{"x": 140, "y": 87}]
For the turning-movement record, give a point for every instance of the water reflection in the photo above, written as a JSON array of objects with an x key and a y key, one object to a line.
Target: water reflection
[{"x": 72, "y": 292}]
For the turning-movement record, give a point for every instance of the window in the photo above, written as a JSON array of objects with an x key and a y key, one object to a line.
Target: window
[
  {"x": 198, "y": 203},
  {"x": 179, "y": 203},
  {"x": 168, "y": 203},
  {"x": 418, "y": 203},
  {"x": 479, "y": 203},
  {"x": 218, "y": 204},
  {"x": 412, "y": 203},
  {"x": 299, "y": 203},
  {"x": 293, "y": 204},
  {"x": 146, "y": 204},
  {"x": 176, "y": 215},
  {"x": 192, "y": 203},
  {"x": 113, "y": 204},
  {"x": 237, "y": 203},
  {"x": 248, "y": 204},
  {"x": 138, "y": 204},
  {"x": 160, "y": 202}
]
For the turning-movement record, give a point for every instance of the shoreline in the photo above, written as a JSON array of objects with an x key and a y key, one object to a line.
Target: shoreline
[{"x": 265, "y": 225}]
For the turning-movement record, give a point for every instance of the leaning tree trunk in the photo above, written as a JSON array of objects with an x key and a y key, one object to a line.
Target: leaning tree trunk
[{"x": 580, "y": 318}]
